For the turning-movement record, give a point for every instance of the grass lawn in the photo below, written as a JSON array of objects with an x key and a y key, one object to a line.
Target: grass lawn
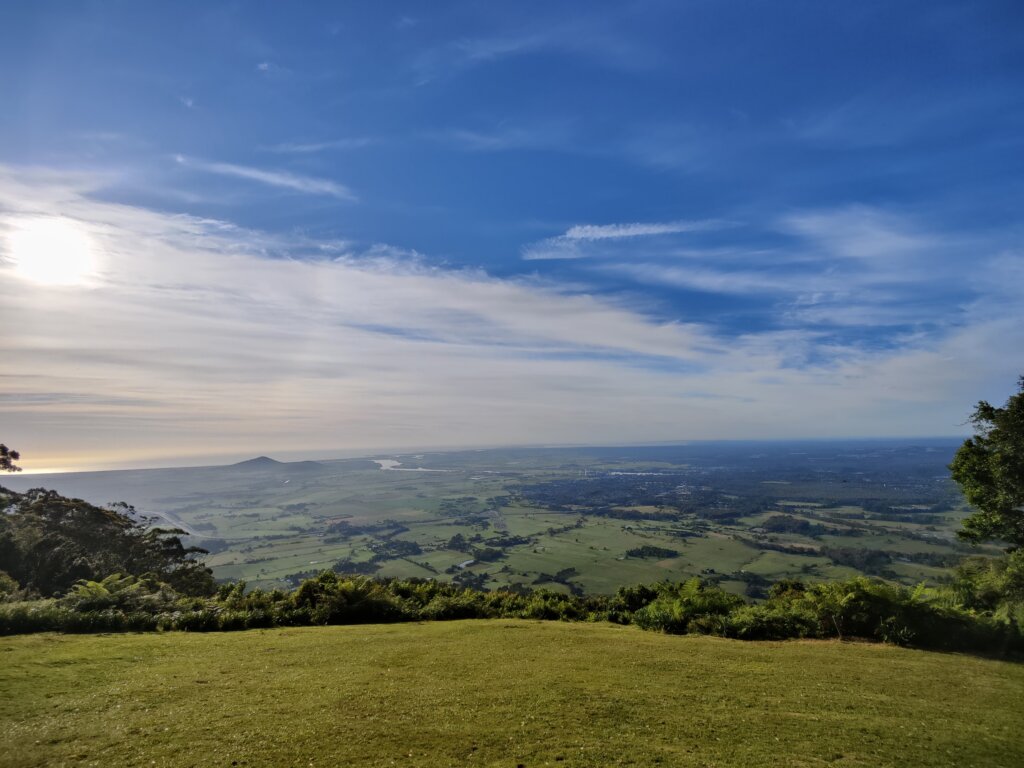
[{"x": 502, "y": 693}]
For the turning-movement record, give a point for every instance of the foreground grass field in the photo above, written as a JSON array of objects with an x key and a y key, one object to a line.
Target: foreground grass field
[{"x": 503, "y": 693}]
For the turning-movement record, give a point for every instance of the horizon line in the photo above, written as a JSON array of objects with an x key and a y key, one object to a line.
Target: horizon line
[{"x": 343, "y": 455}]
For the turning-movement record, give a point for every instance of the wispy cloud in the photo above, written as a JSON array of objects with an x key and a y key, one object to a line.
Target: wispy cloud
[
  {"x": 676, "y": 147},
  {"x": 311, "y": 147},
  {"x": 860, "y": 232},
  {"x": 856, "y": 267},
  {"x": 894, "y": 116},
  {"x": 716, "y": 280},
  {"x": 490, "y": 48},
  {"x": 271, "y": 69},
  {"x": 274, "y": 178},
  {"x": 567, "y": 245},
  {"x": 597, "y": 38},
  {"x": 505, "y": 138},
  {"x": 637, "y": 229}
]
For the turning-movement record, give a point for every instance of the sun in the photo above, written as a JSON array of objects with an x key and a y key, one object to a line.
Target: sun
[{"x": 51, "y": 251}]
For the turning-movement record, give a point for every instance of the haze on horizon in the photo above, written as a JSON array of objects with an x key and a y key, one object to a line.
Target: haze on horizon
[{"x": 320, "y": 230}]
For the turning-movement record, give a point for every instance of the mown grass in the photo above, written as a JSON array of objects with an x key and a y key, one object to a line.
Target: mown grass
[{"x": 502, "y": 693}]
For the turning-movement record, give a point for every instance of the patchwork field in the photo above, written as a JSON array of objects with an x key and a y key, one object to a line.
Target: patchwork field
[
  {"x": 498, "y": 693},
  {"x": 583, "y": 520}
]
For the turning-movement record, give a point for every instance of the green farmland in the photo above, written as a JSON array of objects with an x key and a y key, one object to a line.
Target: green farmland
[{"x": 742, "y": 515}]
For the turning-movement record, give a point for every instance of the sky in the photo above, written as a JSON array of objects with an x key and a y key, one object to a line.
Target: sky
[{"x": 317, "y": 229}]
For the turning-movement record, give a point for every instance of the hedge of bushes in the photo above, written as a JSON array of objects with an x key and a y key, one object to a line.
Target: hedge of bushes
[{"x": 862, "y": 608}]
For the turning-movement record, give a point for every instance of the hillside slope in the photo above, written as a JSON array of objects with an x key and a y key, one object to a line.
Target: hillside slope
[{"x": 503, "y": 693}]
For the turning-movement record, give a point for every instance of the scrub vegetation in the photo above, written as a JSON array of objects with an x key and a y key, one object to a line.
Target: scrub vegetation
[{"x": 860, "y": 608}]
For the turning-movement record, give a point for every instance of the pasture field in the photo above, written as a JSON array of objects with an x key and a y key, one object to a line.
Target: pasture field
[
  {"x": 740, "y": 514},
  {"x": 498, "y": 693}
]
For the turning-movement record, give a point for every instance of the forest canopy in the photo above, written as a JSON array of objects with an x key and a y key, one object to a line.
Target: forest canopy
[{"x": 49, "y": 542}]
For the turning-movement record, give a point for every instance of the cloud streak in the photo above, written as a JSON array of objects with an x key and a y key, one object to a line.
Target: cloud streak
[
  {"x": 598, "y": 39},
  {"x": 618, "y": 231},
  {"x": 273, "y": 178},
  {"x": 311, "y": 147},
  {"x": 508, "y": 138},
  {"x": 567, "y": 245},
  {"x": 853, "y": 270}
]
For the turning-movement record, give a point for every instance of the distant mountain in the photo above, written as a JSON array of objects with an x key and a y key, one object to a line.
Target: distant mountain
[
  {"x": 264, "y": 463},
  {"x": 260, "y": 462}
]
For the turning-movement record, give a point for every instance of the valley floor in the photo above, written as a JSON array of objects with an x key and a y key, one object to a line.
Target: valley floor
[{"x": 502, "y": 693}]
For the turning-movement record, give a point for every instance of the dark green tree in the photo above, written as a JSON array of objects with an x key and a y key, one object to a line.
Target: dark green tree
[
  {"x": 49, "y": 542},
  {"x": 7, "y": 458},
  {"x": 989, "y": 468}
]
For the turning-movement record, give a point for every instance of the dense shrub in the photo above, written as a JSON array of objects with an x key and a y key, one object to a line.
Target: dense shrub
[
  {"x": 35, "y": 616},
  {"x": 992, "y": 585},
  {"x": 356, "y": 600},
  {"x": 872, "y": 609},
  {"x": 688, "y": 607},
  {"x": 861, "y": 608},
  {"x": 120, "y": 592},
  {"x": 770, "y": 622},
  {"x": 445, "y": 607},
  {"x": 203, "y": 620},
  {"x": 8, "y": 586}
]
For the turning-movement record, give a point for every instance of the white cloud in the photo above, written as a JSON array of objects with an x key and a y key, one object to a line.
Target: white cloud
[
  {"x": 716, "y": 280},
  {"x": 892, "y": 116},
  {"x": 506, "y": 138},
  {"x": 553, "y": 248},
  {"x": 281, "y": 179},
  {"x": 567, "y": 245},
  {"x": 616, "y": 231},
  {"x": 309, "y": 147},
  {"x": 850, "y": 266},
  {"x": 597, "y": 39},
  {"x": 489, "y": 48},
  {"x": 675, "y": 147},
  {"x": 192, "y": 336},
  {"x": 860, "y": 232}
]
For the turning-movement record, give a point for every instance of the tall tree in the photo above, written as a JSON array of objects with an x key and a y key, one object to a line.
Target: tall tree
[
  {"x": 989, "y": 468},
  {"x": 7, "y": 458},
  {"x": 48, "y": 542}
]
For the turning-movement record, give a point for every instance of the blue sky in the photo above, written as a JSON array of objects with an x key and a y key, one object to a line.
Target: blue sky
[{"x": 379, "y": 225}]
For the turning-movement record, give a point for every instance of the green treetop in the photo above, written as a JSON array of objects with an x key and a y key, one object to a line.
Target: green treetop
[
  {"x": 7, "y": 459},
  {"x": 989, "y": 468}
]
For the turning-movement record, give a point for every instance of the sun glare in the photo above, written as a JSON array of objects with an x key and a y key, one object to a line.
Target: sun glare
[{"x": 51, "y": 251}]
